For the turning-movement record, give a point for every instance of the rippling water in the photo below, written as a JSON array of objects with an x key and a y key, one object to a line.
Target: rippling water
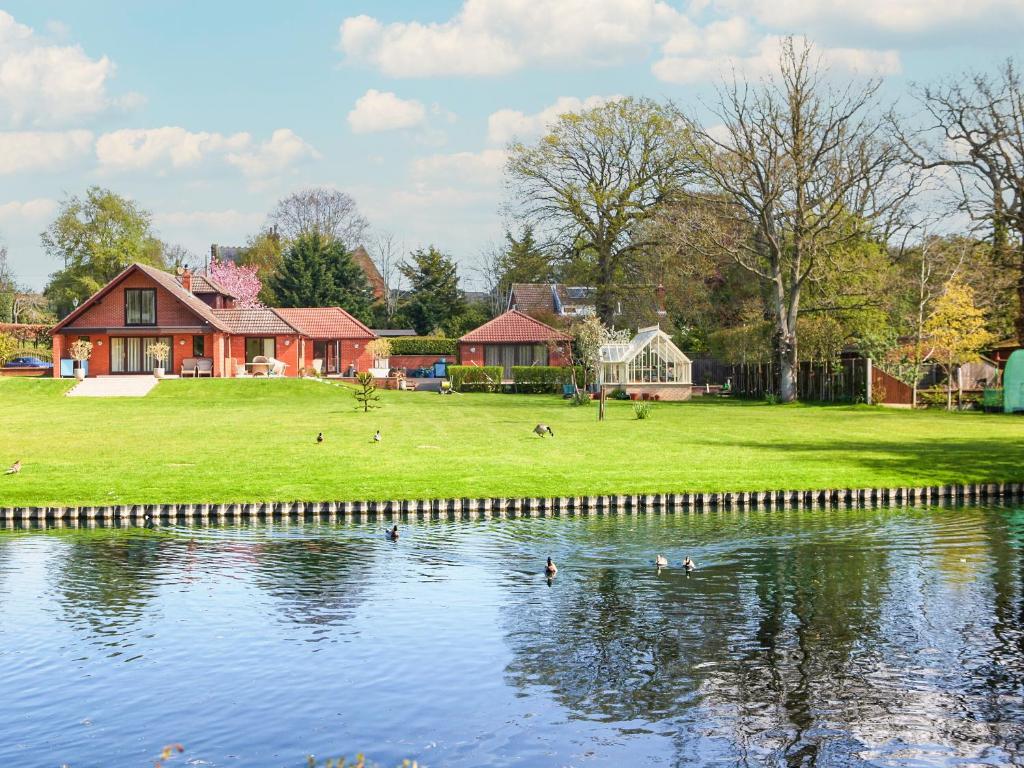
[{"x": 804, "y": 638}]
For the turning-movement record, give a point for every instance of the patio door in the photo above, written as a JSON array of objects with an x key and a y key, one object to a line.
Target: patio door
[
  {"x": 329, "y": 352},
  {"x": 128, "y": 354}
]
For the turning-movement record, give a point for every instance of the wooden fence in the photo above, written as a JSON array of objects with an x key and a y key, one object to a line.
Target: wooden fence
[{"x": 845, "y": 381}]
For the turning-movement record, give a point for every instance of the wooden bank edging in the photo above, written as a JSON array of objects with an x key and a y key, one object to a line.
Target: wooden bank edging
[{"x": 482, "y": 508}]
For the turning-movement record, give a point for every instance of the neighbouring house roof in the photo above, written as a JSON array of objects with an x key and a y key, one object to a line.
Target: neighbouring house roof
[
  {"x": 164, "y": 280},
  {"x": 362, "y": 258},
  {"x": 254, "y": 321},
  {"x": 227, "y": 252},
  {"x": 325, "y": 323},
  {"x": 394, "y": 331},
  {"x": 532, "y": 297},
  {"x": 205, "y": 284},
  {"x": 513, "y": 327}
]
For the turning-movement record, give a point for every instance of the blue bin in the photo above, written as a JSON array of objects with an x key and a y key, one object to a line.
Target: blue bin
[
  {"x": 440, "y": 369},
  {"x": 67, "y": 367}
]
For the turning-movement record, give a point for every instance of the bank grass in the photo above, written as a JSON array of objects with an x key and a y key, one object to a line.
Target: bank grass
[{"x": 254, "y": 440}]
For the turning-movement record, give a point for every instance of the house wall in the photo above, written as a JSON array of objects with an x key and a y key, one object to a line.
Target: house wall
[
  {"x": 663, "y": 391},
  {"x": 109, "y": 311},
  {"x": 286, "y": 350},
  {"x": 472, "y": 353},
  {"x": 100, "y": 363},
  {"x": 352, "y": 351}
]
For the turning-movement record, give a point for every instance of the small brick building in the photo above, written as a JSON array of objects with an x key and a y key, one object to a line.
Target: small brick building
[
  {"x": 197, "y": 318},
  {"x": 511, "y": 339}
]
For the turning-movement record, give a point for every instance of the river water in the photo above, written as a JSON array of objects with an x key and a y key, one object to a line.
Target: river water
[{"x": 839, "y": 638}]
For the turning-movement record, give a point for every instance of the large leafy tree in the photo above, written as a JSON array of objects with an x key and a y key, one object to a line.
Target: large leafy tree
[
  {"x": 596, "y": 177},
  {"x": 319, "y": 272},
  {"x": 434, "y": 297},
  {"x": 95, "y": 237},
  {"x": 798, "y": 167}
]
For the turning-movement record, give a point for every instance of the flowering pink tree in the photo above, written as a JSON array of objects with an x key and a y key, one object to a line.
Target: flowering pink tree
[{"x": 242, "y": 281}]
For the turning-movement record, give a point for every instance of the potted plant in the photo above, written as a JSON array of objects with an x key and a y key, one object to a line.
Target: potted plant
[
  {"x": 381, "y": 351},
  {"x": 80, "y": 351},
  {"x": 159, "y": 352}
]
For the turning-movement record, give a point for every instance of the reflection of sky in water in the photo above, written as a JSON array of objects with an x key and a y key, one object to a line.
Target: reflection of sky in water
[{"x": 830, "y": 638}]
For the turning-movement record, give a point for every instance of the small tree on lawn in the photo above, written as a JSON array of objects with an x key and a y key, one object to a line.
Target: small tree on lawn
[
  {"x": 366, "y": 392},
  {"x": 957, "y": 330}
]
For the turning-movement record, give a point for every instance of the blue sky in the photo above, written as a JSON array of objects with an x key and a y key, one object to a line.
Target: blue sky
[{"x": 207, "y": 112}]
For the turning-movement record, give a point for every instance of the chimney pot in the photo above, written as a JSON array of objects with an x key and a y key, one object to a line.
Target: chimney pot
[{"x": 186, "y": 280}]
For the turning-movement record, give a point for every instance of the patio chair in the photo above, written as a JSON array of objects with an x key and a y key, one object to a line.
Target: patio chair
[
  {"x": 188, "y": 366},
  {"x": 277, "y": 367},
  {"x": 260, "y": 366},
  {"x": 204, "y": 367}
]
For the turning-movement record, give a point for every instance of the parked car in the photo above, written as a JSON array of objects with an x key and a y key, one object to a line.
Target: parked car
[{"x": 27, "y": 362}]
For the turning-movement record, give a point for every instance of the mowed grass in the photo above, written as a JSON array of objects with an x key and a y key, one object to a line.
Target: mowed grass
[{"x": 253, "y": 440}]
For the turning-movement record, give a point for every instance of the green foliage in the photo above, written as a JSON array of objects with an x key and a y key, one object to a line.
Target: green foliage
[
  {"x": 8, "y": 345},
  {"x": 580, "y": 397},
  {"x": 434, "y": 295},
  {"x": 523, "y": 261},
  {"x": 96, "y": 238},
  {"x": 319, "y": 272},
  {"x": 366, "y": 392},
  {"x": 543, "y": 379},
  {"x": 770, "y": 398},
  {"x": 473, "y": 316},
  {"x": 475, "y": 378},
  {"x": 748, "y": 342},
  {"x": 642, "y": 410},
  {"x": 265, "y": 251},
  {"x": 619, "y": 394},
  {"x": 424, "y": 345}
]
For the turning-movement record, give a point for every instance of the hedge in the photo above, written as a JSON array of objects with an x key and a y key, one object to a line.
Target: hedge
[
  {"x": 424, "y": 345},
  {"x": 544, "y": 378},
  {"x": 475, "y": 378}
]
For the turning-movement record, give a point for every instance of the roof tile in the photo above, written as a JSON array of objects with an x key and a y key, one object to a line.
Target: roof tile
[
  {"x": 514, "y": 327},
  {"x": 325, "y": 323},
  {"x": 254, "y": 321}
]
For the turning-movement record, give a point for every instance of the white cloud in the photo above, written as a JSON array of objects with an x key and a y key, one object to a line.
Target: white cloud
[
  {"x": 732, "y": 46},
  {"x": 471, "y": 168},
  {"x": 135, "y": 148},
  {"x": 507, "y": 124},
  {"x": 28, "y": 212},
  {"x": 173, "y": 147},
  {"x": 492, "y": 37},
  {"x": 905, "y": 17},
  {"x": 45, "y": 84},
  {"x": 376, "y": 111},
  {"x": 282, "y": 150},
  {"x": 41, "y": 150},
  {"x": 227, "y": 220}
]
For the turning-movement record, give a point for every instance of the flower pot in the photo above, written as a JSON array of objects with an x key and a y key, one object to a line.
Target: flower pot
[
  {"x": 158, "y": 373},
  {"x": 79, "y": 373}
]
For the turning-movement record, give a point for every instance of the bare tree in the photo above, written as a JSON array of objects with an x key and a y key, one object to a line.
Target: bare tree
[
  {"x": 386, "y": 252},
  {"x": 804, "y": 167},
  {"x": 328, "y": 212},
  {"x": 596, "y": 177},
  {"x": 977, "y": 130},
  {"x": 490, "y": 266}
]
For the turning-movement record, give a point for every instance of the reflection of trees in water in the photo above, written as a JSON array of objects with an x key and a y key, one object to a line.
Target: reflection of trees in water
[
  {"x": 317, "y": 581},
  {"x": 769, "y": 662},
  {"x": 107, "y": 578}
]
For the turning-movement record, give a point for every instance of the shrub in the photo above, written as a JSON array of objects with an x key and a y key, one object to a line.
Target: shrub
[
  {"x": 424, "y": 345},
  {"x": 8, "y": 345},
  {"x": 771, "y": 398},
  {"x": 80, "y": 349},
  {"x": 580, "y": 397},
  {"x": 642, "y": 409},
  {"x": 619, "y": 394},
  {"x": 158, "y": 352},
  {"x": 543, "y": 378},
  {"x": 475, "y": 378},
  {"x": 381, "y": 349}
]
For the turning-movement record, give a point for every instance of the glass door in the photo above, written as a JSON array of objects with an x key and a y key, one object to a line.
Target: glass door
[{"x": 129, "y": 354}]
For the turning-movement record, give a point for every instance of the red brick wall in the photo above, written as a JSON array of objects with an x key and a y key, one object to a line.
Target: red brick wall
[
  {"x": 286, "y": 352},
  {"x": 467, "y": 357},
  {"x": 109, "y": 312},
  {"x": 418, "y": 361}
]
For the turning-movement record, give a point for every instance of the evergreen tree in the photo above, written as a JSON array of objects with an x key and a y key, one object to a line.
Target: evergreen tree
[
  {"x": 319, "y": 272},
  {"x": 524, "y": 261},
  {"x": 435, "y": 298}
]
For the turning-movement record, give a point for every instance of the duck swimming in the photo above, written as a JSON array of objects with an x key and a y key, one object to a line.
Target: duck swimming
[
  {"x": 550, "y": 569},
  {"x": 392, "y": 534},
  {"x": 661, "y": 561},
  {"x": 689, "y": 565}
]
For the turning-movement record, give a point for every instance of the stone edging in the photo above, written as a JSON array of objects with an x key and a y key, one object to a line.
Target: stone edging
[{"x": 482, "y": 508}]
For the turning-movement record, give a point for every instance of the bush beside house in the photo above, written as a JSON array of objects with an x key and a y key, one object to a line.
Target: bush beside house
[
  {"x": 475, "y": 378},
  {"x": 538, "y": 379}
]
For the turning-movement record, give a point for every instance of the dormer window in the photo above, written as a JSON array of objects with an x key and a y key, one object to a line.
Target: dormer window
[{"x": 140, "y": 306}]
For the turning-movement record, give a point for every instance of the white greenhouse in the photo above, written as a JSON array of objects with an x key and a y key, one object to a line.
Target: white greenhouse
[{"x": 648, "y": 364}]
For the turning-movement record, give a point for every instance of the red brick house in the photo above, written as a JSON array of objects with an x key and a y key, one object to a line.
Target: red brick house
[
  {"x": 197, "y": 318},
  {"x": 514, "y": 338}
]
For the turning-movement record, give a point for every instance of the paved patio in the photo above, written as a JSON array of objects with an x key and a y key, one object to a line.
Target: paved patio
[{"x": 114, "y": 386}]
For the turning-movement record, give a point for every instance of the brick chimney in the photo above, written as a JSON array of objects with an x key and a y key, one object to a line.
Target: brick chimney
[{"x": 186, "y": 280}]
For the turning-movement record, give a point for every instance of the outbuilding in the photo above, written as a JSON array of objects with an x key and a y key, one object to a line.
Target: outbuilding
[
  {"x": 649, "y": 364},
  {"x": 513, "y": 339}
]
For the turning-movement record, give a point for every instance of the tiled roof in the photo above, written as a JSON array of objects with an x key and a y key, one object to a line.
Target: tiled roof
[
  {"x": 165, "y": 280},
  {"x": 204, "y": 284},
  {"x": 532, "y": 297},
  {"x": 513, "y": 327},
  {"x": 254, "y": 321},
  {"x": 325, "y": 323}
]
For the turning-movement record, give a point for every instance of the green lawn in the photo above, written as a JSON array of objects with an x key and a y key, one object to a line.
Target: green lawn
[{"x": 253, "y": 440}]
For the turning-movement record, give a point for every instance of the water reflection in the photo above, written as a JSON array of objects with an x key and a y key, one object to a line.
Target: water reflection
[{"x": 804, "y": 638}]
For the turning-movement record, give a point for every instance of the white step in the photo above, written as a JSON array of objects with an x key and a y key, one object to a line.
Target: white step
[{"x": 114, "y": 386}]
